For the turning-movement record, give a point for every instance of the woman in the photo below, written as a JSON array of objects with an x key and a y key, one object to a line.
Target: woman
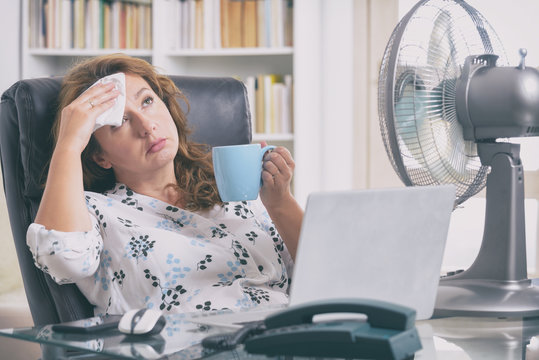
[{"x": 150, "y": 230}]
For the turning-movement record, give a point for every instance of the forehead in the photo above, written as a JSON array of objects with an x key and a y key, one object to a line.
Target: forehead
[{"x": 133, "y": 83}]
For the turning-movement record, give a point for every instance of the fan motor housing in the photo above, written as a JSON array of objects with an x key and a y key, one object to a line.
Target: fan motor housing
[{"x": 497, "y": 102}]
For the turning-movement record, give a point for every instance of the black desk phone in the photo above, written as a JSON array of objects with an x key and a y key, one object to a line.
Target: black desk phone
[{"x": 388, "y": 333}]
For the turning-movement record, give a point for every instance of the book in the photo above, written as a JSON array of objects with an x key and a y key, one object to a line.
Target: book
[
  {"x": 259, "y": 105},
  {"x": 288, "y": 105},
  {"x": 123, "y": 26},
  {"x": 192, "y": 24},
  {"x": 66, "y": 24},
  {"x": 249, "y": 24},
  {"x": 79, "y": 24},
  {"x": 261, "y": 23},
  {"x": 129, "y": 14},
  {"x": 47, "y": 16},
  {"x": 235, "y": 9},
  {"x": 184, "y": 24},
  {"x": 288, "y": 22},
  {"x": 199, "y": 24},
  {"x": 277, "y": 24},
  {"x": 268, "y": 23},
  {"x": 57, "y": 23},
  {"x": 250, "y": 85},
  {"x": 32, "y": 24},
  {"x": 277, "y": 108},
  {"x": 92, "y": 24},
  {"x": 208, "y": 24},
  {"x": 115, "y": 24},
  {"x": 216, "y": 23},
  {"x": 102, "y": 24},
  {"x": 269, "y": 103},
  {"x": 42, "y": 26},
  {"x": 136, "y": 26},
  {"x": 106, "y": 31},
  {"x": 225, "y": 39},
  {"x": 148, "y": 27}
]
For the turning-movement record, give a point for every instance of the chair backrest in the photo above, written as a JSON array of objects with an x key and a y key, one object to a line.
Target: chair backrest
[{"x": 219, "y": 115}]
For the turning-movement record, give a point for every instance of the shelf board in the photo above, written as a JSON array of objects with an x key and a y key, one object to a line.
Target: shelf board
[
  {"x": 179, "y": 53},
  {"x": 88, "y": 52},
  {"x": 232, "y": 52},
  {"x": 273, "y": 137}
]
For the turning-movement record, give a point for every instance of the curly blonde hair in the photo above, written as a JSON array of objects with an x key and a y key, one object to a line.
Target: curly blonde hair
[{"x": 193, "y": 164}]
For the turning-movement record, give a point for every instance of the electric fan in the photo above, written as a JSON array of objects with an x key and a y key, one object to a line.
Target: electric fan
[{"x": 447, "y": 99}]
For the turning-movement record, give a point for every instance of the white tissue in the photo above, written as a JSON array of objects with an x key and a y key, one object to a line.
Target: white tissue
[{"x": 115, "y": 114}]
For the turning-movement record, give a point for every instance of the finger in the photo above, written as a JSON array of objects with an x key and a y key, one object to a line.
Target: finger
[
  {"x": 102, "y": 102},
  {"x": 276, "y": 163},
  {"x": 271, "y": 167},
  {"x": 267, "y": 178},
  {"x": 95, "y": 91},
  {"x": 102, "y": 99},
  {"x": 103, "y": 106},
  {"x": 285, "y": 153}
]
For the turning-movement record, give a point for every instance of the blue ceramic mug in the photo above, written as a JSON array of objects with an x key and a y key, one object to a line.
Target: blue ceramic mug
[{"x": 238, "y": 170}]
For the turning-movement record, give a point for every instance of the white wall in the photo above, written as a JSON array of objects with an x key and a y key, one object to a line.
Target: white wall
[
  {"x": 9, "y": 28},
  {"x": 324, "y": 56},
  {"x": 516, "y": 22}
]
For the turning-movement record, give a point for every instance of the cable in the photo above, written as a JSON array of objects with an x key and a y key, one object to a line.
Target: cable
[{"x": 231, "y": 340}]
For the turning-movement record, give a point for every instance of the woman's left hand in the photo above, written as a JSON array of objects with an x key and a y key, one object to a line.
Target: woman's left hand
[
  {"x": 276, "y": 195},
  {"x": 277, "y": 170}
]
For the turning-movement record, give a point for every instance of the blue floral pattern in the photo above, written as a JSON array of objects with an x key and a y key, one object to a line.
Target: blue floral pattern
[{"x": 142, "y": 252}]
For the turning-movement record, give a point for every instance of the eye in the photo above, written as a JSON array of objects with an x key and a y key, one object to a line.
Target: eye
[
  {"x": 148, "y": 100},
  {"x": 124, "y": 119}
]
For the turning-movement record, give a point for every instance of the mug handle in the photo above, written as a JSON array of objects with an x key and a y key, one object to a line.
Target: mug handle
[
  {"x": 262, "y": 153},
  {"x": 264, "y": 150}
]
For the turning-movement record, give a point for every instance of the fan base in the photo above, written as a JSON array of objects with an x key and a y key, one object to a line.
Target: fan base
[{"x": 487, "y": 298}]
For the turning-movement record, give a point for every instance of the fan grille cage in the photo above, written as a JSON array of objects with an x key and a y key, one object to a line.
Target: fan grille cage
[{"x": 417, "y": 95}]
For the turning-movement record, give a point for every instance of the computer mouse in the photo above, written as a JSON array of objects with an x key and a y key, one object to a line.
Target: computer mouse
[{"x": 142, "y": 322}]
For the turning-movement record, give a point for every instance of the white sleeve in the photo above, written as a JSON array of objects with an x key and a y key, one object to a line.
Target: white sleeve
[{"x": 66, "y": 256}]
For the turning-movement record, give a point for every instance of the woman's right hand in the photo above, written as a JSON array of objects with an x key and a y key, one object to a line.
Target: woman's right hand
[
  {"x": 63, "y": 206},
  {"x": 77, "y": 120}
]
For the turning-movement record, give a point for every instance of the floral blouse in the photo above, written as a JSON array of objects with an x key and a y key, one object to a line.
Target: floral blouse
[{"x": 142, "y": 252}]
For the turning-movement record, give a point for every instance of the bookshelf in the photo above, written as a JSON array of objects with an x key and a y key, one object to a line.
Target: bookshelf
[
  {"x": 213, "y": 59},
  {"x": 219, "y": 49},
  {"x": 57, "y": 33}
]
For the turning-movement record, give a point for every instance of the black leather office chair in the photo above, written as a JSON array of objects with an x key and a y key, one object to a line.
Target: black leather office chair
[{"x": 219, "y": 115}]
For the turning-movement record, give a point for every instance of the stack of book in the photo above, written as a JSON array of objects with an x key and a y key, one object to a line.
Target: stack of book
[
  {"x": 270, "y": 100},
  {"x": 210, "y": 24},
  {"x": 90, "y": 24}
]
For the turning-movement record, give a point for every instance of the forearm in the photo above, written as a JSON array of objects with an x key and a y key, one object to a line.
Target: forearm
[
  {"x": 67, "y": 257},
  {"x": 63, "y": 206},
  {"x": 287, "y": 218}
]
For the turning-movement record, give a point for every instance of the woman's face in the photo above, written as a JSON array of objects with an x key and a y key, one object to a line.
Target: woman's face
[{"x": 147, "y": 140}]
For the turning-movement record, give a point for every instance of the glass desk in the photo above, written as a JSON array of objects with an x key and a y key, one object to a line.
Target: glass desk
[{"x": 448, "y": 338}]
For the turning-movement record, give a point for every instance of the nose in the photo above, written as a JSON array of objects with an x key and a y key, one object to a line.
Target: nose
[{"x": 144, "y": 125}]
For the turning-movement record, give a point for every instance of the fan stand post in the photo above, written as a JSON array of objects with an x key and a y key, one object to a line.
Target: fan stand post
[{"x": 496, "y": 284}]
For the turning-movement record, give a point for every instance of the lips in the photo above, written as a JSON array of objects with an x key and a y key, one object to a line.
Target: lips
[{"x": 157, "y": 145}]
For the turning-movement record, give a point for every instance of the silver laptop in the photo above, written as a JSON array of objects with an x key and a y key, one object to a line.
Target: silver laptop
[{"x": 382, "y": 244}]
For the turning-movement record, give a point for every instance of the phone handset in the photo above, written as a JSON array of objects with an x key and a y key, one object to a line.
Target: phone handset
[
  {"x": 388, "y": 333},
  {"x": 380, "y": 314}
]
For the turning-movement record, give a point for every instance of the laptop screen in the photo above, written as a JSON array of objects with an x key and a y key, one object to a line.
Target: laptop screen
[{"x": 382, "y": 244}]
